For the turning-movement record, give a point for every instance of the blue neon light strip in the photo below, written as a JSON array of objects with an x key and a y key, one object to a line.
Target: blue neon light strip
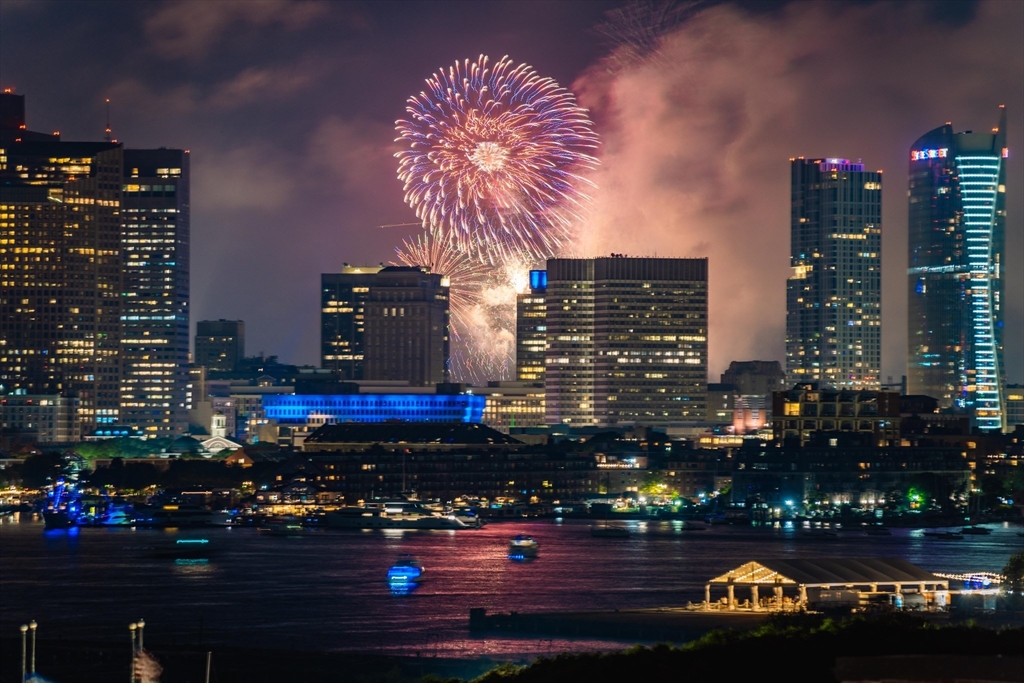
[
  {"x": 338, "y": 409},
  {"x": 979, "y": 181}
]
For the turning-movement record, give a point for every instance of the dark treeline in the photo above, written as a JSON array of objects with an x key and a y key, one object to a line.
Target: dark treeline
[{"x": 788, "y": 648}]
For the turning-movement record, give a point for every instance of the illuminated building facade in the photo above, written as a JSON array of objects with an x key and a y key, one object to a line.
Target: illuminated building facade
[
  {"x": 407, "y": 326},
  {"x": 804, "y": 411},
  {"x": 343, "y": 298},
  {"x": 61, "y": 278},
  {"x": 512, "y": 404},
  {"x": 316, "y": 410},
  {"x": 626, "y": 341},
  {"x": 220, "y": 344},
  {"x": 40, "y": 419},
  {"x": 834, "y": 294},
  {"x": 531, "y": 329},
  {"x": 1014, "y": 406},
  {"x": 155, "y": 315},
  {"x": 957, "y": 238}
]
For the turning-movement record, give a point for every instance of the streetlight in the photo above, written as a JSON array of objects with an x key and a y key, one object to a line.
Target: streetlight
[
  {"x": 142, "y": 625},
  {"x": 32, "y": 627},
  {"x": 24, "y": 630}
]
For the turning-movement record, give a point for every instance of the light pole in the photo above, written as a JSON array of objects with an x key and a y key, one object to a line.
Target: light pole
[
  {"x": 131, "y": 629},
  {"x": 142, "y": 625},
  {"x": 32, "y": 627},
  {"x": 24, "y": 631}
]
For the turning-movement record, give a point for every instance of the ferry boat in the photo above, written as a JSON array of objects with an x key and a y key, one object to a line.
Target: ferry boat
[
  {"x": 392, "y": 514},
  {"x": 522, "y": 548}
]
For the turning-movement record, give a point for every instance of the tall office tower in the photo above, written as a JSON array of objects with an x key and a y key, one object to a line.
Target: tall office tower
[
  {"x": 834, "y": 295},
  {"x": 343, "y": 298},
  {"x": 155, "y": 317},
  {"x": 60, "y": 287},
  {"x": 531, "y": 329},
  {"x": 407, "y": 326},
  {"x": 220, "y": 344},
  {"x": 627, "y": 341},
  {"x": 955, "y": 276}
]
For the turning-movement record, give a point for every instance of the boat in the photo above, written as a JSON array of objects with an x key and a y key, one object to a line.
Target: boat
[
  {"x": 58, "y": 519},
  {"x": 522, "y": 548},
  {"x": 286, "y": 529},
  {"x": 609, "y": 532},
  {"x": 179, "y": 516},
  {"x": 407, "y": 569},
  {"x": 877, "y": 531},
  {"x": 976, "y": 530},
  {"x": 944, "y": 535},
  {"x": 392, "y": 514}
]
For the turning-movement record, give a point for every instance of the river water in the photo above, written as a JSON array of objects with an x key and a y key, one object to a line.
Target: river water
[{"x": 326, "y": 591}]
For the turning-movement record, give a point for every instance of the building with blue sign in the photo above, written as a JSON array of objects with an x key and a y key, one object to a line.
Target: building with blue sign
[
  {"x": 957, "y": 238},
  {"x": 321, "y": 409},
  {"x": 532, "y": 329}
]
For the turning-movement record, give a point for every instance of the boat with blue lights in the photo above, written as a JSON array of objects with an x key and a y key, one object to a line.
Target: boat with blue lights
[
  {"x": 63, "y": 506},
  {"x": 406, "y": 570},
  {"x": 522, "y": 548}
]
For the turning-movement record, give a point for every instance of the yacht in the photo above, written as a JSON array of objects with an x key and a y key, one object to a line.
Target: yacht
[
  {"x": 522, "y": 548},
  {"x": 392, "y": 514}
]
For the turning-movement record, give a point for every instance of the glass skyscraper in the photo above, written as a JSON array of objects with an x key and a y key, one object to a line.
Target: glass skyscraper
[
  {"x": 834, "y": 294},
  {"x": 955, "y": 277}
]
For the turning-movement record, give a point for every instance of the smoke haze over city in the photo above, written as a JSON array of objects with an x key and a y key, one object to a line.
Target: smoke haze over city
[{"x": 288, "y": 111}]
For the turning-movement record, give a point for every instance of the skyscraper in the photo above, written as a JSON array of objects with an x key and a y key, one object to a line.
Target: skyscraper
[
  {"x": 220, "y": 344},
  {"x": 343, "y": 298},
  {"x": 155, "y": 316},
  {"x": 60, "y": 230},
  {"x": 834, "y": 295},
  {"x": 407, "y": 326},
  {"x": 627, "y": 341},
  {"x": 955, "y": 277},
  {"x": 531, "y": 329}
]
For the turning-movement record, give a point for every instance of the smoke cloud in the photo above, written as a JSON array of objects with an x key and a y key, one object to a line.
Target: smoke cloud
[{"x": 697, "y": 139}]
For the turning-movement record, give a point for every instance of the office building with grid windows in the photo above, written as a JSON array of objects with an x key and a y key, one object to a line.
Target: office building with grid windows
[{"x": 834, "y": 294}]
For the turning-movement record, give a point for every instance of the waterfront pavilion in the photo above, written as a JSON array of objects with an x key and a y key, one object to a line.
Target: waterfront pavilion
[{"x": 865, "y": 575}]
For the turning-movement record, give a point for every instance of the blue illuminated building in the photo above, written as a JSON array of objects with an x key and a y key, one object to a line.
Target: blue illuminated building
[
  {"x": 957, "y": 218},
  {"x": 341, "y": 408}
]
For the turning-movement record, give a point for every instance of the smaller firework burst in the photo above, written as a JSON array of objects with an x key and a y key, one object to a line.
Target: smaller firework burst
[{"x": 467, "y": 275}]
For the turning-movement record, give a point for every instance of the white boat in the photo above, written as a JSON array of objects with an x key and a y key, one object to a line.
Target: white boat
[
  {"x": 392, "y": 514},
  {"x": 522, "y": 548}
]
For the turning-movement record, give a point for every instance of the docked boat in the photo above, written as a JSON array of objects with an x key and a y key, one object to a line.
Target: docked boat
[
  {"x": 522, "y": 548},
  {"x": 393, "y": 514},
  {"x": 407, "y": 569},
  {"x": 976, "y": 531},
  {"x": 58, "y": 519},
  {"x": 609, "y": 532},
  {"x": 179, "y": 516}
]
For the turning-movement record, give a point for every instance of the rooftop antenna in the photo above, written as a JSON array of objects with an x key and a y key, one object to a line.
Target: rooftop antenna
[{"x": 107, "y": 138}]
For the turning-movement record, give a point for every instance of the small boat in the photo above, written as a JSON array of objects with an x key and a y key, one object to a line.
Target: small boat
[
  {"x": 289, "y": 530},
  {"x": 58, "y": 519},
  {"x": 522, "y": 548},
  {"x": 877, "y": 531},
  {"x": 944, "y": 535},
  {"x": 976, "y": 531},
  {"x": 407, "y": 569},
  {"x": 609, "y": 532}
]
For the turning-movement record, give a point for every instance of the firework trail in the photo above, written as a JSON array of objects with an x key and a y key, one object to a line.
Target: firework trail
[
  {"x": 634, "y": 32},
  {"x": 495, "y": 159},
  {"x": 467, "y": 275}
]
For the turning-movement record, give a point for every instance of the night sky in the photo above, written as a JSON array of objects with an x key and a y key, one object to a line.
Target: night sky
[{"x": 288, "y": 110}]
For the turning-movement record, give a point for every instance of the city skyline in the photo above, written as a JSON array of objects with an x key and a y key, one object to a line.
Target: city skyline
[{"x": 323, "y": 167}]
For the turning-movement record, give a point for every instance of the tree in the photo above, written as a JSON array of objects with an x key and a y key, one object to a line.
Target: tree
[
  {"x": 1014, "y": 573},
  {"x": 42, "y": 469}
]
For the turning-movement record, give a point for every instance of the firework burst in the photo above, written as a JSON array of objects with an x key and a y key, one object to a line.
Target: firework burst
[
  {"x": 495, "y": 160},
  {"x": 467, "y": 276}
]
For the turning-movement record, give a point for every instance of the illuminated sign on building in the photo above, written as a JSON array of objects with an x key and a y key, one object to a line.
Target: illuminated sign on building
[
  {"x": 922, "y": 154},
  {"x": 538, "y": 279}
]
